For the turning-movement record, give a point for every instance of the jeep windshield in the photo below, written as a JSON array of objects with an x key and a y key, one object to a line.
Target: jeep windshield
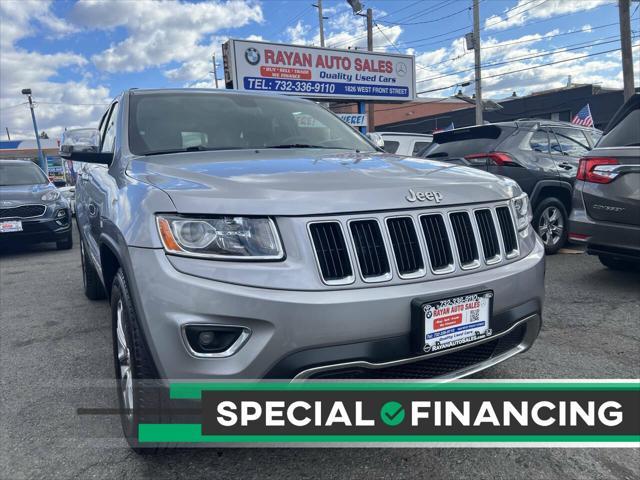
[{"x": 198, "y": 121}]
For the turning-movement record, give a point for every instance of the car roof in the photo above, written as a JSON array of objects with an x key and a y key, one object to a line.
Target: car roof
[
  {"x": 406, "y": 134},
  {"x": 213, "y": 91}
]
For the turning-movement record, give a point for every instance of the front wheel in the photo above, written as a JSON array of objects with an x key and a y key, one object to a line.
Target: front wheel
[
  {"x": 550, "y": 221},
  {"x": 66, "y": 243},
  {"x": 141, "y": 396},
  {"x": 91, "y": 282}
]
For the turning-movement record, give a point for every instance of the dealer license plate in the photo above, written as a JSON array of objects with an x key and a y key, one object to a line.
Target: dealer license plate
[
  {"x": 456, "y": 321},
  {"x": 10, "y": 226}
]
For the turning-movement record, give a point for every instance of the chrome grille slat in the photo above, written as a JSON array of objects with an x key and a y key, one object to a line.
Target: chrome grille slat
[
  {"x": 331, "y": 252},
  {"x": 370, "y": 248},
  {"x": 441, "y": 242},
  {"x": 438, "y": 244},
  {"x": 488, "y": 236},
  {"x": 465, "y": 238},
  {"x": 507, "y": 229},
  {"x": 406, "y": 246}
]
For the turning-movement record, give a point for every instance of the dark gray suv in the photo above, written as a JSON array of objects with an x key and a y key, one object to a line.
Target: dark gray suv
[
  {"x": 31, "y": 208},
  {"x": 541, "y": 155},
  {"x": 606, "y": 199}
]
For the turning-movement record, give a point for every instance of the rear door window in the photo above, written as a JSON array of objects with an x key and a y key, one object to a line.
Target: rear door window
[
  {"x": 391, "y": 146},
  {"x": 418, "y": 147},
  {"x": 572, "y": 141},
  {"x": 540, "y": 141}
]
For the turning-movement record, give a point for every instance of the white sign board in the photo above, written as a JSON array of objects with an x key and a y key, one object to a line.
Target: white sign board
[
  {"x": 318, "y": 72},
  {"x": 354, "y": 119}
]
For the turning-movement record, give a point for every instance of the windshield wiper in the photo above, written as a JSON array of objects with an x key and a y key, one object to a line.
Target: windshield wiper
[
  {"x": 198, "y": 148},
  {"x": 304, "y": 145},
  {"x": 438, "y": 154}
]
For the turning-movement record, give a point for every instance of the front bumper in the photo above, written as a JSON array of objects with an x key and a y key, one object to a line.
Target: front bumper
[
  {"x": 41, "y": 229},
  {"x": 294, "y": 333}
]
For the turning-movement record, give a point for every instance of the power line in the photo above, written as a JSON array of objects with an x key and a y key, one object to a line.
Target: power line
[
  {"x": 528, "y": 57},
  {"x": 387, "y": 38},
  {"x": 530, "y": 68}
]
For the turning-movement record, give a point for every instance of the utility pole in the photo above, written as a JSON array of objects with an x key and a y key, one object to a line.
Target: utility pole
[
  {"x": 371, "y": 113},
  {"x": 625, "y": 44},
  {"x": 8, "y": 136},
  {"x": 215, "y": 70},
  {"x": 41, "y": 160},
  {"x": 476, "y": 53},
  {"x": 321, "y": 20}
]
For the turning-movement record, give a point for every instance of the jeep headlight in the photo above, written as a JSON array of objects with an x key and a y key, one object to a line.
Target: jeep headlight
[
  {"x": 522, "y": 208},
  {"x": 224, "y": 238},
  {"x": 50, "y": 196}
]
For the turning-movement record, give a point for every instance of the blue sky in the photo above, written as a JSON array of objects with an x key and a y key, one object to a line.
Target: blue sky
[{"x": 76, "y": 55}]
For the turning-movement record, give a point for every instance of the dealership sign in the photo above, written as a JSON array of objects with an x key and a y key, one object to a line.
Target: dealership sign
[
  {"x": 318, "y": 72},
  {"x": 353, "y": 119}
]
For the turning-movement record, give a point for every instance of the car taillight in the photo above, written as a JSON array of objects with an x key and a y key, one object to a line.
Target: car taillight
[
  {"x": 497, "y": 158},
  {"x": 597, "y": 169}
]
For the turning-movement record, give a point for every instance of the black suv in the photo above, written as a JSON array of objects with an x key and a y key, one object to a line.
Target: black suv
[{"x": 541, "y": 155}]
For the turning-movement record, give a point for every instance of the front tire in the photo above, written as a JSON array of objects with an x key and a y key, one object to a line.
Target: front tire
[
  {"x": 140, "y": 395},
  {"x": 550, "y": 220}
]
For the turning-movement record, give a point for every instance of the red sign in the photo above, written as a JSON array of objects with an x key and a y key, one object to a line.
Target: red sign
[
  {"x": 286, "y": 72},
  {"x": 448, "y": 321}
]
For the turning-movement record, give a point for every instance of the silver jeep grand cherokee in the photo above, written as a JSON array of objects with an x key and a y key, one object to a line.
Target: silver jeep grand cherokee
[{"x": 257, "y": 236}]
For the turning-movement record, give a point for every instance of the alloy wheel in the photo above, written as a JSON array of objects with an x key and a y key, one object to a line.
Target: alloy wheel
[
  {"x": 124, "y": 362},
  {"x": 551, "y": 226}
]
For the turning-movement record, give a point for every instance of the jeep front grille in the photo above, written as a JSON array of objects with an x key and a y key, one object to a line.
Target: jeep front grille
[
  {"x": 438, "y": 243},
  {"x": 405, "y": 245},
  {"x": 418, "y": 242},
  {"x": 488, "y": 236},
  {"x": 370, "y": 250},
  {"x": 331, "y": 251},
  {"x": 465, "y": 239},
  {"x": 508, "y": 233},
  {"x": 23, "y": 211}
]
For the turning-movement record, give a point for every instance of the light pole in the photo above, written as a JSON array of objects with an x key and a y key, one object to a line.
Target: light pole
[{"x": 41, "y": 160}]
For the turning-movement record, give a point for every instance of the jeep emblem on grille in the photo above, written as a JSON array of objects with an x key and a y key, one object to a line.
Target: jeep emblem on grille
[{"x": 424, "y": 196}]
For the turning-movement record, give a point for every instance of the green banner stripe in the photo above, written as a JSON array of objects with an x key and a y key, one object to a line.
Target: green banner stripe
[
  {"x": 192, "y": 433},
  {"x": 194, "y": 390}
]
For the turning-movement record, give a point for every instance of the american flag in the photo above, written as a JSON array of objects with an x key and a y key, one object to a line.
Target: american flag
[{"x": 583, "y": 117}]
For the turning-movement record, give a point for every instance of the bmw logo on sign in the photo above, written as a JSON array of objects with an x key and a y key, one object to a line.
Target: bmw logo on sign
[{"x": 252, "y": 56}]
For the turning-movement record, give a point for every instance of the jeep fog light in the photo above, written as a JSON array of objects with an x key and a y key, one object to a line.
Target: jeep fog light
[
  {"x": 214, "y": 340},
  {"x": 522, "y": 208},
  {"x": 224, "y": 238}
]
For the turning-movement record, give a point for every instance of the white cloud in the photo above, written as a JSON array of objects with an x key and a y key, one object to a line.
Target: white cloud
[
  {"x": 20, "y": 68},
  {"x": 526, "y": 10},
  {"x": 162, "y": 32}
]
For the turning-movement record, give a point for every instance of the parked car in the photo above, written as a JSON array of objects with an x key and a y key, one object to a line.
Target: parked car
[
  {"x": 542, "y": 156},
  {"x": 606, "y": 197},
  {"x": 31, "y": 207},
  {"x": 69, "y": 193},
  {"x": 408, "y": 144},
  {"x": 235, "y": 241}
]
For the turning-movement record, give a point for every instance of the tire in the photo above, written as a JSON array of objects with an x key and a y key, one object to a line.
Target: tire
[
  {"x": 141, "y": 396},
  {"x": 92, "y": 284},
  {"x": 66, "y": 243},
  {"x": 615, "y": 263},
  {"x": 550, "y": 220}
]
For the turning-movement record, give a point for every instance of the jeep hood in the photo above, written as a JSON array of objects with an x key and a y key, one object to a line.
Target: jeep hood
[{"x": 309, "y": 181}]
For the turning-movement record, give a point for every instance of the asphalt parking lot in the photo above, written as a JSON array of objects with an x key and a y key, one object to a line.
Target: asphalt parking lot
[{"x": 55, "y": 346}]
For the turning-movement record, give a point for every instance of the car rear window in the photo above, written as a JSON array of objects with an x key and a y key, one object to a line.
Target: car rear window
[
  {"x": 467, "y": 141},
  {"x": 624, "y": 134},
  {"x": 21, "y": 174},
  {"x": 419, "y": 146}
]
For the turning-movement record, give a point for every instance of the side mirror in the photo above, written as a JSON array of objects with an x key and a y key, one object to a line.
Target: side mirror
[
  {"x": 83, "y": 145},
  {"x": 376, "y": 138}
]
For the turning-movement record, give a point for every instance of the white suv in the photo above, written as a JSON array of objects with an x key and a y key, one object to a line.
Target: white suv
[{"x": 408, "y": 144}]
